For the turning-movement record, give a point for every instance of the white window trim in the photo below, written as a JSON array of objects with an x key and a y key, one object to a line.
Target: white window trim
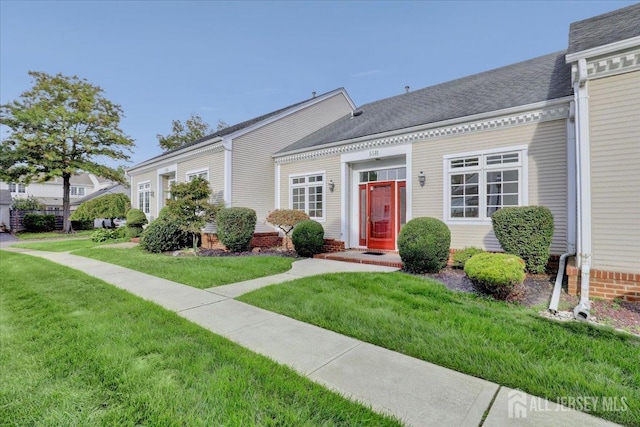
[
  {"x": 306, "y": 185},
  {"x": 196, "y": 172},
  {"x": 138, "y": 195},
  {"x": 17, "y": 185},
  {"x": 523, "y": 183}
]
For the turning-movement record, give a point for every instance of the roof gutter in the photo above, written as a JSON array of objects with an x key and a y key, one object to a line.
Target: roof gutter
[{"x": 170, "y": 156}]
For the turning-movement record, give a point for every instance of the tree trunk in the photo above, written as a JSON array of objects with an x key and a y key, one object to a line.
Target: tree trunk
[{"x": 66, "y": 205}]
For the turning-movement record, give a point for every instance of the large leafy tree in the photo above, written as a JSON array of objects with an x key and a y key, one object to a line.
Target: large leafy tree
[
  {"x": 181, "y": 133},
  {"x": 61, "y": 126}
]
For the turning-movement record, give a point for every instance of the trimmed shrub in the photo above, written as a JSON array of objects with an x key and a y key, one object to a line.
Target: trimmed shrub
[
  {"x": 163, "y": 235},
  {"x": 104, "y": 234},
  {"x": 495, "y": 274},
  {"x": 286, "y": 220},
  {"x": 462, "y": 256},
  {"x": 526, "y": 232},
  {"x": 235, "y": 228},
  {"x": 423, "y": 245},
  {"x": 39, "y": 222},
  {"x": 135, "y": 220},
  {"x": 308, "y": 238}
]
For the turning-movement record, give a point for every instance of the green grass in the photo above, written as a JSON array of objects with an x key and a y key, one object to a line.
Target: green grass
[
  {"x": 54, "y": 235},
  {"x": 64, "y": 245},
  {"x": 199, "y": 272},
  {"x": 503, "y": 343},
  {"x": 76, "y": 351}
]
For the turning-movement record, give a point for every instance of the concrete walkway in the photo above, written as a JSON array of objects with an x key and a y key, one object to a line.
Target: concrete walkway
[{"x": 417, "y": 392}]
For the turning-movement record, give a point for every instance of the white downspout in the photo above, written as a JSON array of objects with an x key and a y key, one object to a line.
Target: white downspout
[
  {"x": 571, "y": 207},
  {"x": 583, "y": 154}
]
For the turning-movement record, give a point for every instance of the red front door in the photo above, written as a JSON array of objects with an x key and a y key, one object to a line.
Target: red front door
[{"x": 381, "y": 215}]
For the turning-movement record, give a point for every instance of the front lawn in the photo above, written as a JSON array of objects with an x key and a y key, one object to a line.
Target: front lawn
[
  {"x": 76, "y": 351},
  {"x": 199, "y": 272},
  {"x": 54, "y": 235},
  {"x": 506, "y": 344},
  {"x": 63, "y": 245}
]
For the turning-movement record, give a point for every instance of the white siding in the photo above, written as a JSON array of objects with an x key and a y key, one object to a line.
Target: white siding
[
  {"x": 214, "y": 164},
  {"x": 152, "y": 178},
  {"x": 253, "y": 167},
  {"x": 331, "y": 165},
  {"x": 547, "y": 183},
  {"x": 615, "y": 158}
]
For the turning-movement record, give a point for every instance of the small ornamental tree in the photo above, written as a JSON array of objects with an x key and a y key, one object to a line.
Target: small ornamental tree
[
  {"x": 28, "y": 204},
  {"x": 108, "y": 206},
  {"x": 191, "y": 208},
  {"x": 286, "y": 220}
]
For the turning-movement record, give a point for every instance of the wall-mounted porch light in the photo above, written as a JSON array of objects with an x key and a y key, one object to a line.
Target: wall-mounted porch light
[
  {"x": 422, "y": 179},
  {"x": 332, "y": 185},
  {"x": 152, "y": 193}
]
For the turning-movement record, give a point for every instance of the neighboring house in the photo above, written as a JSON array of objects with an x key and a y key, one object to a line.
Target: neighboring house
[
  {"x": 112, "y": 189},
  {"x": 5, "y": 207},
  {"x": 236, "y": 160},
  {"x": 561, "y": 130},
  {"x": 50, "y": 193}
]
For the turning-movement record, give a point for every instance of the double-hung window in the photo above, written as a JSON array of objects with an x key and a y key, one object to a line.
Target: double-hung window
[
  {"x": 77, "y": 191},
  {"x": 17, "y": 188},
  {"x": 307, "y": 194},
  {"x": 480, "y": 184},
  {"x": 144, "y": 196}
]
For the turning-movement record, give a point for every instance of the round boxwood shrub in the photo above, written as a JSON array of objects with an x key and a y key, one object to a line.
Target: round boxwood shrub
[
  {"x": 462, "y": 256},
  {"x": 235, "y": 228},
  {"x": 423, "y": 244},
  {"x": 308, "y": 238},
  {"x": 163, "y": 235},
  {"x": 136, "y": 219},
  {"x": 495, "y": 274},
  {"x": 526, "y": 232}
]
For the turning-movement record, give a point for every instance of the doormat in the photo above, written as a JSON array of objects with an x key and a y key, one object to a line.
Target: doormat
[{"x": 373, "y": 253}]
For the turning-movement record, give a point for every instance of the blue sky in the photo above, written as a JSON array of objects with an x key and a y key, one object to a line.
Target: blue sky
[{"x": 164, "y": 60}]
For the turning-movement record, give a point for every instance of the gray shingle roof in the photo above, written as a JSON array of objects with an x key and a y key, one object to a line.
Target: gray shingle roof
[
  {"x": 113, "y": 189},
  {"x": 234, "y": 128},
  {"x": 539, "y": 79},
  {"x": 600, "y": 30}
]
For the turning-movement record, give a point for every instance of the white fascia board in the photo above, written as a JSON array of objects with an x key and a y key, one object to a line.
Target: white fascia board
[
  {"x": 457, "y": 120},
  {"x": 175, "y": 156},
  {"x": 603, "y": 50}
]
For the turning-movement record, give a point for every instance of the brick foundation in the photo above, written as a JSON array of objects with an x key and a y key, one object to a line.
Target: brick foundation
[
  {"x": 332, "y": 245},
  {"x": 606, "y": 284},
  {"x": 259, "y": 240}
]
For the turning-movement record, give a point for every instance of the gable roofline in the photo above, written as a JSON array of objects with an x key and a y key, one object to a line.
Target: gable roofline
[
  {"x": 604, "y": 49},
  {"x": 428, "y": 126},
  {"x": 242, "y": 128}
]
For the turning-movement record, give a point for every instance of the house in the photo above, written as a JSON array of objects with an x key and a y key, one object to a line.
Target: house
[
  {"x": 50, "y": 193},
  {"x": 236, "y": 160},
  {"x": 561, "y": 130},
  {"x": 5, "y": 206},
  {"x": 112, "y": 189}
]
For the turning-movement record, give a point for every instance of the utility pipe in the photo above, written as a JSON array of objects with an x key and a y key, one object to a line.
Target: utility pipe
[{"x": 555, "y": 297}]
